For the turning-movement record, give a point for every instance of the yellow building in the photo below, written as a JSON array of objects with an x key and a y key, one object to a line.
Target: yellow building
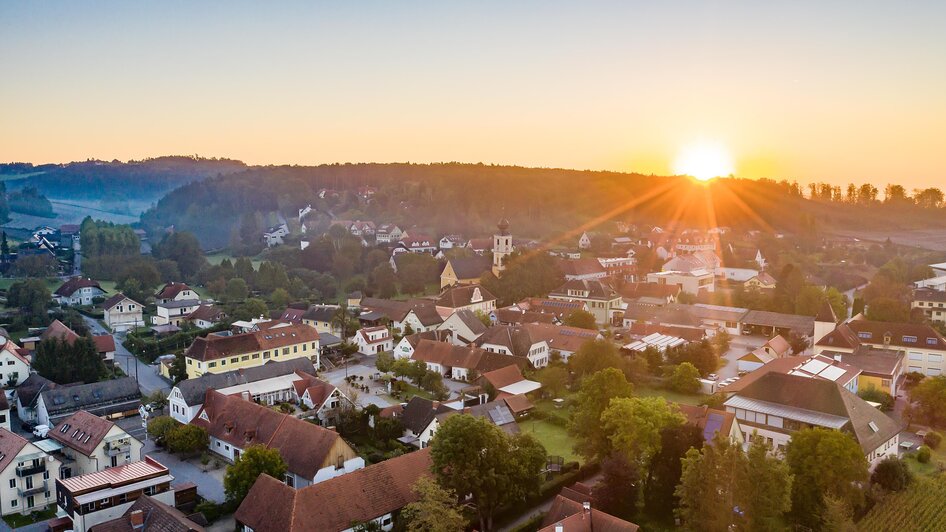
[
  {"x": 464, "y": 270},
  {"x": 273, "y": 340}
]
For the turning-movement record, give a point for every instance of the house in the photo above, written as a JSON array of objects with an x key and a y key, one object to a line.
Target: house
[
  {"x": 174, "y": 312},
  {"x": 558, "y": 308},
  {"x": 388, "y": 233},
  {"x": 271, "y": 383},
  {"x": 649, "y": 293},
  {"x": 338, "y": 504},
  {"x": 275, "y": 234},
  {"x": 464, "y": 270},
  {"x": 322, "y": 317},
  {"x": 417, "y": 315},
  {"x": 417, "y": 243},
  {"x": 516, "y": 341},
  {"x": 584, "y": 241},
  {"x": 78, "y": 291},
  {"x": 777, "y": 347},
  {"x": 4, "y": 412},
  {"x": 712, "y": 421},
  {"x": 474, "y": 298},
  {"x": 762, "y": 281},
  {"x": 148, "y": 514},
  {"x": 324, "y": 400},
  {"x": 582, "y": 269},
  {"x": 406, "y": 346},
  {"x": 27, "y": 395},
  {"x": 15, "y": 363},
  {"x": 374, "y": 340},
  {"x": 692, "y": 282},
  {"x": 450, "y": 242},
  {"x": 879, "y": 368},
  {"x": 508, "y": 381},
  {"x": 771, "y": 323},
  {"x": 102, "y": 496},
  {"x": 776, "y": 405},
  {"x": 465, "y": 326},
  {"x": 122, "y": 313},
  {"x": 105, "y": 346},
  {"x": 206, "y": 315},
  {"x": 932, "y": 303},
  {"x": 812, "y": 367},
  {"x": 514, "y": 315},
  {"x": 112, "y": 399},
  {"x": 597, "y": 297},
  {"x": 91, "y": 443},
  {"x": 273, "y": 340},
  {"x": 422, "y": 417},
  {"x": 25, "y": 473},
  {"x": 923, "y": 347},
  {"x": 460, "y": 363},
  {"x": 176, "y": 292},
  {"x": 312, "y": 453},
  {"x": 937, "y": 283},
  {"x": 566, "y": 514}
]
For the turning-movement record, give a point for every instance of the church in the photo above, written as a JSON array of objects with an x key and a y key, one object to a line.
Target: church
[{"x": 468, "y": 270}]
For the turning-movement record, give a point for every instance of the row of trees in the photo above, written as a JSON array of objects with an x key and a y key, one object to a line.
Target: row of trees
[{"x": 867, "y": 194}]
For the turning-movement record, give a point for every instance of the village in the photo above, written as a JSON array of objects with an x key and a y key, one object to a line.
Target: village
[{"x": 164, "y": 402}]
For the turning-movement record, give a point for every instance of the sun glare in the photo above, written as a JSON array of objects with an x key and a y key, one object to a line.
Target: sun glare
[{"x": 703, "y": 161}]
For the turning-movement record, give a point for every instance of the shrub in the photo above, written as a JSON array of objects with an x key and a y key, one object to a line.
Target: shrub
[
  {"x": 872, "y": 394},
  {"x": 933, "y": 439},
  {"x": 923, "y": 454},
  {"x": 891, "y": 474},
  {"x": 160, "y": 427}
]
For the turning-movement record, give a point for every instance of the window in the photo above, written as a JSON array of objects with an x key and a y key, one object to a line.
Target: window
[
  {"x": 190, "y": 362},
  {"x": 916, "y": 356},
  {"x": 265, "y": 354},
  {"x": 290, "y": 480},
  {"x": 909, "y": 339},
  {"x": 865, "y": 335},
  {"x": 212, "y": 365},
  {"x": 234, "y": 360},
  {"x": 12, "y": 482},
  {"x": 255, "y": 356},
  {"x": 10, "y": 362},
  {"x": 932, "y": 341},
  {"x": 340, "y": 462},
  {"x": 223, "y": 362},
  {"x": 150, "y": 490},
  {"x": 13, "y": 503},
  {"x": 295, "y": 349},
  {"x": 934, "y": 358},
  {"x": 285, "y": 351}
]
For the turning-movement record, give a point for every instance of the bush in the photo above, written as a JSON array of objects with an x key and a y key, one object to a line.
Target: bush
[
  {"x": 923, "y": 454},
  {"x": 913, "y": 378},
  {"x": 213, "y": 511},
  {"x": 160, "y": 427},
  {"x": 933, "y": 439},
  {"x": 877, "y": 396},
  {"x": 891, "y": 474}
]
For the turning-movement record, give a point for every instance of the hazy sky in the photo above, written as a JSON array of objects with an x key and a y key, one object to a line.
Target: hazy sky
[{"x": 815, "y": 90}]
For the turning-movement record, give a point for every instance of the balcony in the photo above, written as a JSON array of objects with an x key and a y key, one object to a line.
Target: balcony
[
  {"x": 115, "y": 449},
  {"x": 37, "y": 488},
  {"x": 29, "y": 470}
]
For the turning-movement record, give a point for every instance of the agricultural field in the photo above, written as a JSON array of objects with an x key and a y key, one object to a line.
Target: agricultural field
[{"x": 920, "y": 507}]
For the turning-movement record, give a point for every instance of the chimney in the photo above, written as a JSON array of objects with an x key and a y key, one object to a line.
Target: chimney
[
  {"x": 559, "y": 528},
  {"x": 137, "y": 519},
  {"x": 245, "y": 395}
]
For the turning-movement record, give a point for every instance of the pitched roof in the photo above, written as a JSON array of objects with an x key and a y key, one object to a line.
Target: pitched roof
[
  {"x": 572, "y": 517},
  {"x": 393, "y": 310},
  {"x": 560, "y": 337},
  {"x": 515, "y": 315},
  {"x": 116, "y": 299},
  {"x": 171, "y": 290},
  {"x": 274, "y": 336},
  {"x": 456, "y": 356},
  {"x": 518, "y": 403},
  {"x": 320, "y": 313},
  {"x": 503, "y": 377},
  {"x": 419, "y": 412},
  {"x": 10, "y": 445},
  {"x": 470, "y": 267},
  {"x": 209, "y": 312},
  {"x": 304, "y": 446},
  {"x": 58, "y": 329},
  {"x": 554, "y": 306},
  {"x": 581, "y": 267},
  {"x": 824, "y": 397},
  {"x": 334, "y": 504},
  {"x": 194, "y": 390},
  {"x": 900, "y": 334},
  {"x": 637, "y": 290},
  {"x": 426, "y": 313},
  {"x": 842, "y": 336},
  {"x": 516, "y": 338},
  {"x": 28, "y": 391},
  {"x": 926, "y": 294},
  {"x": 434, "y": 335},
  {"x": 99, "y": 398},
  {"x": 157, "y": 516},
  {"x": 81, "y": 431},
  {"x": 595, "y": 288},
  {"x": 800, "y": 324},
  {"x": 462, "y": 296},
  {"x": 104, "y": 343},
  {"x": 709, "y": 420},
  {"x": 72, "y": 285},
  {"x": 826, "y": 313},
  {"x": 473, "y": 323}
]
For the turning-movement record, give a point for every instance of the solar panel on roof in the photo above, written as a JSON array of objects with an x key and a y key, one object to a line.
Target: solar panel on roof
[
  {"x": 714, "y": 422},
  {"x": 813, "y": 366},
  {"x": 832, "y": 373},
  {"x": 500, "y": 416}
]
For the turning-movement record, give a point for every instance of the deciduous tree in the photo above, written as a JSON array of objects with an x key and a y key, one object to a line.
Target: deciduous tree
[
  {"x": 435, "y": 510},
  {"x": 592, "y": 399},
  {"x": 253, "y": 462}
]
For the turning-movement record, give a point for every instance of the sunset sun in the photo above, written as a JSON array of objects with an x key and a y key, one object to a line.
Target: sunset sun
[{"x": 703, "y": 161}]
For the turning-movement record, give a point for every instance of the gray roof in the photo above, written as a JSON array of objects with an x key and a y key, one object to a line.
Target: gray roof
[
  {"x": 468, "y": 317},
  {"x": 98, "y": 398},
  {"x": 183, "y": 303},
  {"x": 320, "y": 313},
  {"x": 800, "y": 324},
  {"x": 194, "y": 390},
  {"x": 28, "y": 392}
]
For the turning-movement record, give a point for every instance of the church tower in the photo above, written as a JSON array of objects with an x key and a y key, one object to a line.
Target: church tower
[{"x": 502, "y": 247}]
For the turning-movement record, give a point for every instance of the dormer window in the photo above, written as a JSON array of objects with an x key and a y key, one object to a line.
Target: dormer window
[{"x": 909, "y": 339}]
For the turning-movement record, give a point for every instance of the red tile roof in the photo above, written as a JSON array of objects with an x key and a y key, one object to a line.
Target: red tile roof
[
  {"x": 116, "y": 299},
  {"x": 275, "y": 336},
  {"x": 58, "y": 329},
  {"x": 334, "y": 504},
  {"x": 81, "y": 431},
  {"x": 10, "y": 445},
  {"x": 115, "y": 476},
  {"x": 171, "y": 290},
  {"x": 104, "y": 343},
  {"x": 455, "y": 356},
  {"x": 572, "y": 517},
  {"x": 72, "y": 285}
]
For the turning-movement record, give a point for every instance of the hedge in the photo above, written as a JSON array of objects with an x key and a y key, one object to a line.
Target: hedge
[{"x": 151, "y": 348}]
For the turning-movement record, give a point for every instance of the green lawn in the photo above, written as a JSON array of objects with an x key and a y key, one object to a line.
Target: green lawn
[
  {"x": 932, "y": 468},
  {"x": 17, "y": 520},
  {"x": 52, "y": 283},
  {"x": 554, "y": 438},
  {"x": 217, "y": 258},
  {"x": 669, "y": 395}
]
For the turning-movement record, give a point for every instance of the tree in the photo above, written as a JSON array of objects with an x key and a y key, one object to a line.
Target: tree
[
  {"x": 930, "y": 398},
  {"x": 383, "y": 281},
  {"x": 617, "y": 491},
  {"x": 416, "y": 270},
  {"x": 63, "y": 362},
  {"x": 237, "y": 290},
  {"x": 719, "y": 478},
  {"x": 184, "y": 249},
  {"x": 35, "y": 266},
  {"x": 685, "y": 378},
  {"x": 343, "y": 321},
  {"x": 798, "y": 342},
  {"x": 472, "y": 456},
  {"x": 250, "y": 309},
  {"x": 31, "y": 296},
  {"x": 582, "y": 319},
  {"x": 553, "y": 380},
  {"x": 701, "y": 354},
  {"x": 434, "y": 511},
  {"x": 888, "y": 309},
  {"x": 253, "y": 462},
  {"x": 806, "y": 454},
  {"x": 593, "y": 357},
  {"x": 836, "y": 515},
  {"x": 160, "y": 426},
  {"x": 892, "y": 474},
  {"x": 187, "y": 439},
  {"x": 384, "y": 362},
  {"x": 592, "y": 399},
  {"x": 179, "y": 368},
  {"x": 633, "y": 425},
  {"x": 280, "y": 298},
  {"x": 664, "y": 470}
]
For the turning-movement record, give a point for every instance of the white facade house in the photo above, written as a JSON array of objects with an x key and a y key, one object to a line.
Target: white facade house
[
  {"x": 693, "y": 282},
  {"x": 374, "y": 340},
  {"x": 93, "y": 444},
  {"x": 123, "y": 313},
  {"x": 78, "y": 291},
  {"x": 27, "y": 475},
  {"x": 14, "y": 366}
]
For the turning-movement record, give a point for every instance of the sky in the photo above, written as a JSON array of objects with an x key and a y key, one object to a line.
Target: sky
[{"x": 813, "y": 91}]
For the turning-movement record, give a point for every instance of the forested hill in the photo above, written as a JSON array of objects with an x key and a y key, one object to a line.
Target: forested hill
[
  {"x": 540, "y": 203},
  {"x": 144, "y": 180}
]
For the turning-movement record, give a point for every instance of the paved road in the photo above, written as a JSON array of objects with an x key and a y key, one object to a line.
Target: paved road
[
  {"x": 148, "y": 378},
  {"x": 209, "y": 483},
  {"x": 740, "y": 345}
]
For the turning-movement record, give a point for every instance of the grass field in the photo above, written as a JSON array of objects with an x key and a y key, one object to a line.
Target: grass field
[
  {"x": 52, "y": 283},
  {"x": 554, "y": 438},
  {"x": 669, "y": 395},
  {"x": 933, "y": 468}
]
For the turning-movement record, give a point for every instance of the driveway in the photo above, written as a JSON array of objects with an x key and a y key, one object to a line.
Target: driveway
[
  {"x": 376, "y": 394},
  {"x": 739, "y": 346},
  {"x": 148, "y": 378},
  {"x": 209, "y": 483}
]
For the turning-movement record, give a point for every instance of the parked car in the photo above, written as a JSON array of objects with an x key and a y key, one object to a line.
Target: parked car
[
  {"x": 41, "y": 431},
  {"x": 713, "y": 377}
]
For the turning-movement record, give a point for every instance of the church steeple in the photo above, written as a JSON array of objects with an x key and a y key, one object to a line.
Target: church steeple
[{"x": 502, "y": 247}]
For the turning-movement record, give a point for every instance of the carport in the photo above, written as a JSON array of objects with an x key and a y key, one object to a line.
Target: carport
[{"x": 772, "y": 323}]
